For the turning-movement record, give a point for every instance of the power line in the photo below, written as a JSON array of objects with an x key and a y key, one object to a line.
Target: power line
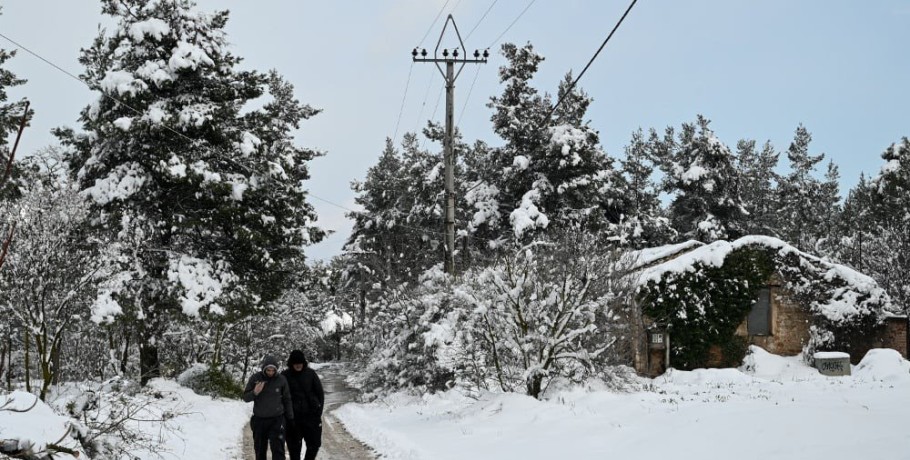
[
  {"x": 419, "y": 45},
  {"x": 407, "y": 227},
  {"x": 401, "y": 110},
  {"x": 90, "y": 87},
  {"x": 403, "y": 98},
  {"x": 454, "y": 7},
  {"x": 468, "y": 96},
  {"x": 512, "y": 24},
  {"x": 481, "y": 19},
  {"x": 433, "y": 116},
  {"x": 572, "y": 86},
  {"x": 423, "y": 105}
]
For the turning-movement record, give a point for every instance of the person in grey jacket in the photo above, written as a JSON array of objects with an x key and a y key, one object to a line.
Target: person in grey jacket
[{"x": 271, "y": 398}]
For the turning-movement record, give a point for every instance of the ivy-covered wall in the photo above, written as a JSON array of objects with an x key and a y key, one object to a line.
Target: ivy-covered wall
[
  {"x": 702, "y": 297},
  {"x": 702, "y": 308}
]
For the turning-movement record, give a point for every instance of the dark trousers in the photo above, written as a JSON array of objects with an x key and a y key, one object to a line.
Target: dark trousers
[
  {"x": 304, "y": 431},
  {"x": 268, "y": 431}
]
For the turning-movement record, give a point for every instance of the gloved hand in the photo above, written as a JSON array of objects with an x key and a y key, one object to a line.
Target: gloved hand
[{"x": 288, "y": 424}]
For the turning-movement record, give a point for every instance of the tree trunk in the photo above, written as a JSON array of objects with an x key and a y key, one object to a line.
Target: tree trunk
[
  {"x": 248, "y": 348},
  {"x": 149, "y": 365},
  {"x": 125, "y": 354},
  {"x": 9, "y": 363},
  {"x": 363, "y": 308},
  {"x": 2, "y": 358},
  {"x": 534, "y": 384},
  {"x": 28, "y": 375},
  {"x": 55, "y": 359}
]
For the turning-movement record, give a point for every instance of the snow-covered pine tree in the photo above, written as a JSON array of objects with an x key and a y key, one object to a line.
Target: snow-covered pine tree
[
  {"x": 700, "y": 174},
  {"x": 203, "y": 193},
  {"x": 758, "y": 186},
  {"x": 891, "y": 211},
  {"x": 10, "y": 112},
  {"x": 646, "y": 224},
  {"x": 398, "y": 234},
  {"x": 799, "y": 195},
  {"x": 829, "y": 208},
  {"x": 854, "y": 242},
  {"x": 551, "y": 173}
]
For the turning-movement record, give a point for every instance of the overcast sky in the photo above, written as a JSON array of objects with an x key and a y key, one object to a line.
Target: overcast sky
[{"x": 755, "y": 68}]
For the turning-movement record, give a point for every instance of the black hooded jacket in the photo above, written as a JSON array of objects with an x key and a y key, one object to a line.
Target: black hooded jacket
[
  {"x": 307, "y": 395},
  {"x": 275, "y": 398}
]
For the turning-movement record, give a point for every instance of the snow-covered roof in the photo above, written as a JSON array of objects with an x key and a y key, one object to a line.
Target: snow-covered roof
[
  {"x": 648, "y": 256},
  {"x": 852, "y": 294}
]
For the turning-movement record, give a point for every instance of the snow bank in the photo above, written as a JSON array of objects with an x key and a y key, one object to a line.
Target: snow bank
[
  {"x": 883, "y": 364},
  {"x": 204, "y": 427},
  {"x": 773, "y": 407},
  {"x": 208, "y": 428},
  {"x": 34, "y": 428}
]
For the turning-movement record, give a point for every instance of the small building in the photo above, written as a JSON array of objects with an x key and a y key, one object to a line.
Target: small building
[{"x": 706, "y": 303}]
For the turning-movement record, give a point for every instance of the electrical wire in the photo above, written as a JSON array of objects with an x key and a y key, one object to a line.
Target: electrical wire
[
  {"x": 420, "y": 45},
  {"x": 433, "y": 116},
  {"x": 481, "y": 19},
  {"x": 512, "y": 24},
  {"x": 91, "y": 87},
  {"x": 468, "y": 96},
  {"x": 397, "y": 225},
  {"x": 423, "y": 105},
  {"x": 403, "y": 98},
  {"x": 591, "y": 61}
]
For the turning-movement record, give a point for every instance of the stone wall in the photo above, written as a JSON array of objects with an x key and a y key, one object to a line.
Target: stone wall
[
  {"x": 897, "y": 335},
  {"x": 789, "y": 323},
  {"x": 892, "y": 334}
]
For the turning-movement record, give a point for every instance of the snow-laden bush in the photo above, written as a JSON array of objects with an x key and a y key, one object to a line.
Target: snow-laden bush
[
  {"x": 392, "y": 346},
  {"x": 555, "y": 309},
  {"x": 210, "y": 381},
  {"x": 113, "y": 417}
]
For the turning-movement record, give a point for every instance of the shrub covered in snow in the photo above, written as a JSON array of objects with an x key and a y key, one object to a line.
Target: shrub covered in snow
[
  {"x": 549, "y": 310},
  {"x": 210, "y": 381}
]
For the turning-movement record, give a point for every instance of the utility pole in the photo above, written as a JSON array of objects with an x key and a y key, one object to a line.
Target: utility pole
[{"x": 450, "y": 75}]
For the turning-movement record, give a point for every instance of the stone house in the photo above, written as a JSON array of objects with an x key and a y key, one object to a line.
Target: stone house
[{"x": 779, "y": 320}]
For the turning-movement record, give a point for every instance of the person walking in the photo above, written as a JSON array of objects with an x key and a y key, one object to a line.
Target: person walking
[
  {"x": 272, "y": 406},
  {"x": 308, "y": 399}
]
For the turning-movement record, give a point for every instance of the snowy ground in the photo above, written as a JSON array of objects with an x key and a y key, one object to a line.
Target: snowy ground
[
  {"x": 772, "y": 407},
  {"x": 202, "y": 427}
]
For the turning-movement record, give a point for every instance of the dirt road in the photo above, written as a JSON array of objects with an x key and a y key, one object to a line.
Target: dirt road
[{"x": 337, "y": 443}]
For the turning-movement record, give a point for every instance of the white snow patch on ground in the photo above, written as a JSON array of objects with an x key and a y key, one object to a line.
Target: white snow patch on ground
[
  {"x": 207, "y": 428},
  {"x": 772, "y": 407}
]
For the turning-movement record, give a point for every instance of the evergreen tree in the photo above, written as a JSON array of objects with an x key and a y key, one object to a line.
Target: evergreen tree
[
  {"x": 758, "y": 186},
  {"x": 855, "y": 231},
  {"x": 202, "y": 194},
  {"x": 551, "y": 174},
  {"x": 10, "y": 112},
  {"x": 799, "y": 195},
  {"x": 645, "y": 225},
  {"x": 700, "y": 174},
  {"x": 891, "y": 212},
  {"x": 828, "y": 206},
  {"x": 384, "y": 238}
]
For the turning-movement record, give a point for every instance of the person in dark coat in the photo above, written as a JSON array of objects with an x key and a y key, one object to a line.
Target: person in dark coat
[
  {"x": 308, "y": 399},
  {"x": 272, "y": 406}
]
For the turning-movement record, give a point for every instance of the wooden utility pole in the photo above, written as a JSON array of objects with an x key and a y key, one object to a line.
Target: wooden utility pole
[{"x": 450, "y": 75}]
